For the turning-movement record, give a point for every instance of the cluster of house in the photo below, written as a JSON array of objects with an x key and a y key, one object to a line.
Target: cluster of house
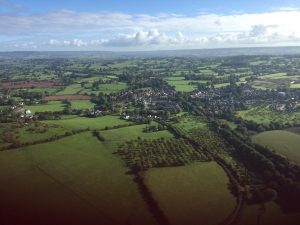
[
  {"x": 25, "y": 113},
  {"x": 4, "y": 96},
  {"x": 220, "y": 100},
  {"x": 94, "y": 112},
  {"x": 140, "y": 95},
  {"x": 129, "y": 115},
  {"x": 288, "y": 105}
]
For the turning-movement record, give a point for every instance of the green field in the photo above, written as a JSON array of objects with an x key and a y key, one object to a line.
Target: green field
[
  {"x": 82, "y": 104},
  {"x": 187, "y": 123},
  {"x": 77, "y": 179},
  {"x": 59, "y": 106},
  {"x": 132, "y": 132},
  {"x": 50, "y": 128},
  {"x": 50, "y": 106},
  {"x": 42, "y": 131},
  {"x": 50, "y": 91},
  {"x": 264, "y": 115},
  {"x": 71, "y": 89},
  {"x": 295, "y": 85},
  {"x": 284, "y": 142},
  {"x": 195, "y": 194},
  {"x": 181, "y": 84},
  {"x": 85, "y": 122},
  {"x": 106, "y": 88},
  {"x": 103, "y": 88},
  {"x": 221, "y": 85},
  {"x": 275, "y": 76}
]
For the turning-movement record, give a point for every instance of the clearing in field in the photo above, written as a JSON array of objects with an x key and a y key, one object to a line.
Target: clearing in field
[
  {"x": 194, "y": 194},
  {"x": 77, "y": 179},
  {"x": 284, "y": 142},
  {"x": 264, "y": 84}
]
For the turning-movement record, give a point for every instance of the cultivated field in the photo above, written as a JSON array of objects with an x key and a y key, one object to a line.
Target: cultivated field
[
  {"x": 194, "y": 194},
  {"x": 28, "y": 84},
  {"x": 67, "y": 97}
]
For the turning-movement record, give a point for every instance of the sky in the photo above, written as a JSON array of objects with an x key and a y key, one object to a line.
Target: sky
[{"x": 137, "y": 25}]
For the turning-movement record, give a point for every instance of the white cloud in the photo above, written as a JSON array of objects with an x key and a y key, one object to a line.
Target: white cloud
[
  {"x": 54, "y": 42},
  {"x": 66, "y": 43},
  {"x": 145, "y": 38},
  {"x": 78, "y": 43},
  {"x": 286, "y": 9},
  {"x": 115, "y": 30}
]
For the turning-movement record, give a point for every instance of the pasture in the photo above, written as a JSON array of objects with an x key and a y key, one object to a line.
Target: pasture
[
  {"x": 181, "y": 84},
  {"x": 77, "y": 179},
  {"x": 52, "y": 106},
  {"x": 193, "y": 194},
  {"x": 70, "y": 90},
  {"x": 82, "y": 104},
  {"x": 75, "y": 123},
  {"x": 221, "y": 85},
  {"x": 106, "y": 88},
  {"x": 103, "y": 88},
  {"x": 295, "y": 85},
  {"x": 37, "y": 131},
  {"x": 132, "y": 132},
  {"x": 283, "y": 142}
]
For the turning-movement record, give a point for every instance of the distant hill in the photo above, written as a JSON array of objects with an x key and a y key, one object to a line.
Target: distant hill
[{"x": 203, "y": 53}]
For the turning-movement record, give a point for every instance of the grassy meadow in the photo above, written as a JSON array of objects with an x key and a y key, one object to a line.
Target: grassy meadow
[
  {"x": 82, "y": 104},
  {"x": 181, "y": 84},
  {"x": 52, "y": 106},
  {"x": 284, "y": 142},
  {"x": 103, "y": 88},
  {"x": 82, "y": 179},
  {"x": 74, "y": 123},
  {"x": 193, "y": 194}
]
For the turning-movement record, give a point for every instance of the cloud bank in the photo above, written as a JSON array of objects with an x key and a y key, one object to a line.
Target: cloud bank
[{"x": 69, "y": 30}]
